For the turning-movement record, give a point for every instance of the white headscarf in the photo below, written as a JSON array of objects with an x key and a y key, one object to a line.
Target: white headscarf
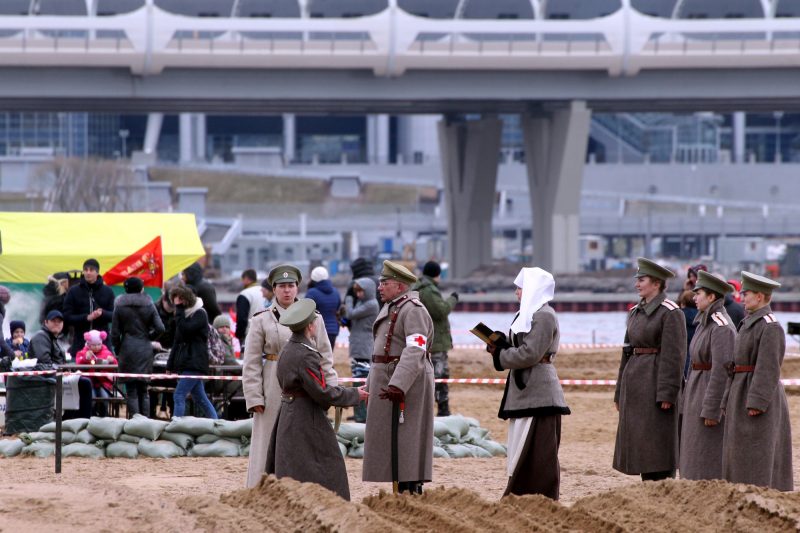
[{"x": 538, "y": 288}]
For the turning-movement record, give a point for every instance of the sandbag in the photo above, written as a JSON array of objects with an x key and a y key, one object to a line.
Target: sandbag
[
  {"x": 67, "y": 437},
  {"x": 11, "y": 447},
  {"x": 75, "y": 425},
  {"x": 457, "y": 424},
  {"x": 494, "y": 448},
  {"x": 39, "y": 449},
  {"x": 234, "y": 428},
  {"x": 130, "y": 439},
  {"x": 220, "y": 448},
  {"x": 350, "y": 431},
  {"x": 438, "y": 451},
  {"x": 440, "y": 430},
  {"x": 473, "y": 422},
  {"x": 181, "y": 439},
  {"x": 50, "y": 427},
  {"x": 159, "y": 449},
  {"x": 477, "y": 451},
  {"x": 356, "y": 451},
  {"x": 37, "y": 436},
  {"x": 85, "y": 437},
  {"x": 343, "y": 449},
  {"x": 475, "y": 433},
  {"x": 191, "y": 425},
  {"x": 78, "y": 449},
  {"x": 106, "y": 428},
  {"x": 208, "y": 438},
  {"x": 244, "y": 451},
  {"x": 147, "y": 428},
  {"x": 457, "y": 451},
  {"x": 124, "y": 450}
]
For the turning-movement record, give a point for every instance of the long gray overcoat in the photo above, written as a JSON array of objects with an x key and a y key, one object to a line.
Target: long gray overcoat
[
  {"x": 414, "y": 376},
  {"x": 266, "y": 337},
  {"x": 647, "y": 436},
  {"x": 758, "y": 449},
  {"x": 303, "y": 445},
  {"x": 701, "y": 445}
]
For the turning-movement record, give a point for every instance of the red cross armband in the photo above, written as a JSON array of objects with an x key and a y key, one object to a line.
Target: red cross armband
[{"x": 417, "y": 340}]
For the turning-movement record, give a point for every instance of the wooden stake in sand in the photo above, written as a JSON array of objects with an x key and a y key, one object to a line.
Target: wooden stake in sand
[{"x": 59, "y": 391}]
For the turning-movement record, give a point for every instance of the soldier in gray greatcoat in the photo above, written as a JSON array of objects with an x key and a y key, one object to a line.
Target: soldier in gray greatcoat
[
  {"x": 711, "y": 349},
  {"x": 533, "y": 401},
  {"x": 757, "y": 447},
  {"x": 650, "y": 375},
  {"x": 401, "y": 373},
  {"x": 303, "y": 445}
]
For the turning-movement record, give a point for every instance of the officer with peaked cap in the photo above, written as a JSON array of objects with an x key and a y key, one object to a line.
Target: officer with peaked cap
[
  {"x": 401, "y": 373},
  {"x": 649, "y": 380},
  {"x": 266, "y": 337},
  {"x": 302, "y": 431},
  {"x": 711, "y": 349},
  {"x": 757, "y": 447}
]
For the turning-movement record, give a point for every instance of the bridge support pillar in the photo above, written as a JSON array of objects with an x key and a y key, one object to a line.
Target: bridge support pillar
[
  {"x": 555, "y": 155},
  {"x": 469, "y": 155},
  {"x": 378, "y": 139},
  {"x": 192, "y": 136},
  {"x": 288, "y": 138}
]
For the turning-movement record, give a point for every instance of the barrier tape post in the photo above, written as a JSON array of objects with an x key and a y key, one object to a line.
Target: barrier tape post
[{"x": 59, "y": 400}]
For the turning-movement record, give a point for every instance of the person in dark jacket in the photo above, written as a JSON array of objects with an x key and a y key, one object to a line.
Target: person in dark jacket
[
  {"x": 88, "y": 305},
  {"x": 361, "y": 268},
  {"x": 189, "y": 354},
  {"x": 17, "y": 342},
  {"x": 689, "y": 308},
  {"x": 193, "y": 278},
  {"x": 53, "y": 294},
  {"x": 361, "y": 311},
  {"x": 734, "y": 309},
  {"x": 249, "y": 301},
  {"x": 327, "y": 299},
  {"x": 439, "y": 308},
  {"x": 134, "y": 327}
]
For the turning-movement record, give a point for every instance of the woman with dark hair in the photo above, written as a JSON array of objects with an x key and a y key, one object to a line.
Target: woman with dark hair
[
  {"x": 189, "y": 354},
  {"x": 649, "y": 379},
  {"x": 711, "y": 349}
]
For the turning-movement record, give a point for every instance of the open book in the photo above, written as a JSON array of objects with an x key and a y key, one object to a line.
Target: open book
[{"x": 489, "y": 336}]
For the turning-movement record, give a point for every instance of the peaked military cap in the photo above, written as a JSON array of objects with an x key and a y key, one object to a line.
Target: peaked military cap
[
  {"x": 712, "y": 282},
  {"x": 397, "y": 272},
  {"x": 284, "y": 274},
  {"x": 299, "y": 315},
  {"x": 652, "y": 269},
  {"x": 756, "y": 283}
]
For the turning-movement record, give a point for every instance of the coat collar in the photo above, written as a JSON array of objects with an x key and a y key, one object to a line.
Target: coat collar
[
  {"x": 702, "y": 318},
  {"x": 755, "y": 316},
  {"x": 650, "y": 308}
]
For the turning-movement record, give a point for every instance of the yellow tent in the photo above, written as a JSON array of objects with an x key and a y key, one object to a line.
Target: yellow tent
[{"x": 35, "y": 245}]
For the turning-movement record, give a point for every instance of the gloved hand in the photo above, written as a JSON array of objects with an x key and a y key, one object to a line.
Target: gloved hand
[
  {"x": 454, "y": 294},
  {"x": 393, "y": 394}
]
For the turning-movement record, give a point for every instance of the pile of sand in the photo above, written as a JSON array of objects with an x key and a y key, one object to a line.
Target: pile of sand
[{"x": 666, "y": 506}]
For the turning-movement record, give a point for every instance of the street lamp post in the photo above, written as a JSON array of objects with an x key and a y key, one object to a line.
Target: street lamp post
[{"x": 123, "y": 134}]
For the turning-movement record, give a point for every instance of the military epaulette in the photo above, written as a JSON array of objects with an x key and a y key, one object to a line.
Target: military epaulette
[
  {"x": 719, "y": 319},
  {"x": 417, "y": 302},
  {"x": 669, "y": 304},
  {"x": 770, "y": 319},
  {"x": 260, "y": 312}
]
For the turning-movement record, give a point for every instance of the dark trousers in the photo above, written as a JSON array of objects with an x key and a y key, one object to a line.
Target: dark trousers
[
  {"x": 137, "y": 399},
  {"x": 538, "y": 471},
  {"x": 441, "y": 370},
  {"x": 332, "y": 339}
]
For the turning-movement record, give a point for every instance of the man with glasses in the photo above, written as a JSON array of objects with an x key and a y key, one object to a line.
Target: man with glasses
[{"x": 401, "y": 375}]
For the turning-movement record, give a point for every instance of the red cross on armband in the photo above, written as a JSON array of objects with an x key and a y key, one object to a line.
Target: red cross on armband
[{"x": 417, "y": 341}]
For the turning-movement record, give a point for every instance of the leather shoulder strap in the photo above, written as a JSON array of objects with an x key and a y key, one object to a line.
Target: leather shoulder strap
[{"x": 392, "y": 321}]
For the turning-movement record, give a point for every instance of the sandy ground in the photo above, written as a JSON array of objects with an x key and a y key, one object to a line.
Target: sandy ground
[{"x": 191, "y": 494}]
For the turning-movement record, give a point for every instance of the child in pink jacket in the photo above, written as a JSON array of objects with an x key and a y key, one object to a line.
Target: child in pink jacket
[{"x": 97, "y": 353}]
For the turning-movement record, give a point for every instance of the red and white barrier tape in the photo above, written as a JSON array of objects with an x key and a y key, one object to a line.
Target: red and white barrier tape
[
  {"x": 563, "y": 346},
  {"x": 463, "y": 381}
]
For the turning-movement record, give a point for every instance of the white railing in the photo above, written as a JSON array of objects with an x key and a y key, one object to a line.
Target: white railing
[{"x": 389, "y": 43}]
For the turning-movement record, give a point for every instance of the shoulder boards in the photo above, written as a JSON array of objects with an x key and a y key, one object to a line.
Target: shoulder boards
[
  {"x": 770, "y": 319},
  {"x": 669, "y": 304},
  {"x": 317, "y": 312},
  {"x": 417, "y": 302},
  {"x": 310, "y": 348},
  {"x": 276, "y": 313},
  {"x": 260, "y": 312},
  {"x": 719, "y": 319}
]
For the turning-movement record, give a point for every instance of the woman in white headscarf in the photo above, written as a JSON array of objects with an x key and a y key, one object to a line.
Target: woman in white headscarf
[{"x": 533, "y": 401}]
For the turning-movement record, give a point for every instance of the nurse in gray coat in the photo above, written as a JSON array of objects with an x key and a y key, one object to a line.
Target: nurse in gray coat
[
  {"x": 303, "y": 445},
  {"x": 757, "y": 447},
  {"x": 650, "y": 375},
  {"x": 533, "y": 401},
  {"x": 711, "y": 349}
]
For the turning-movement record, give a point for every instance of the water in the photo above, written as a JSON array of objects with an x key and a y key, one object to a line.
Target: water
[{"x": 576, "y": 328}]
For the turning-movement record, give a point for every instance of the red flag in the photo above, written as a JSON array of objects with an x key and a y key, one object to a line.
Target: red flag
[{"x": 146, "y": 263}]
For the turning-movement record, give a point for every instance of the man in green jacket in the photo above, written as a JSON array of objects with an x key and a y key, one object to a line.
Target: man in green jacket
[{"x": 439, "y": 309}]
